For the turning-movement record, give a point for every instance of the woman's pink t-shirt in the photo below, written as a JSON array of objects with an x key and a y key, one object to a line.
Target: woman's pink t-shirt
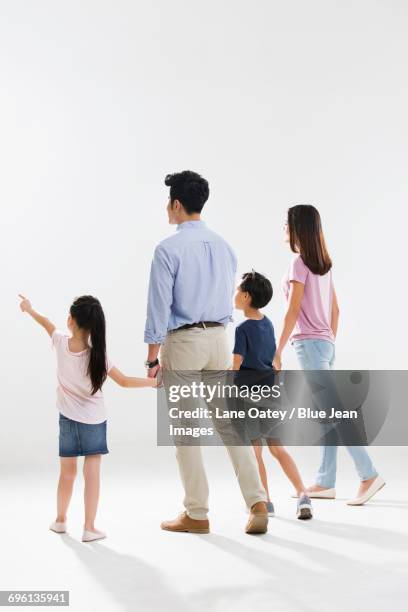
[
  {"x": 74, "y": 390},
  {"x": 314, "y": 320}
]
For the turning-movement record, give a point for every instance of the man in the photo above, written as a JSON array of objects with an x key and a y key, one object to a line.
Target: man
[{"x": 189, "y": 305}]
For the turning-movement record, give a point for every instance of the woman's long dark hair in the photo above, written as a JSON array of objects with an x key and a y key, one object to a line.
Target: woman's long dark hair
[
  {"x": 306, "y": 238},
  {"x": 88, "y": 314}
]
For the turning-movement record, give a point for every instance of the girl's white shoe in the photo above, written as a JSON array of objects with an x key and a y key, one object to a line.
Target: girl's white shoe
[
  {"x": 375, "y": 486},
  {"x": 58, "y": 527},
  {"x": 91, "y": 536}
]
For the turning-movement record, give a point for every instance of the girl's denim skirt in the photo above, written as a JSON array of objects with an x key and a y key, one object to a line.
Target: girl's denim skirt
[{"x": 78, "y": 439}]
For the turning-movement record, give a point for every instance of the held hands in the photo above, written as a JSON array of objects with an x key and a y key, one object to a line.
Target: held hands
[
  {"x": 25, "y": 303},
  {"x": 153, "y": 372},
  {"x": 277, "y": 362},
  {"x": 156, "y": 382}
]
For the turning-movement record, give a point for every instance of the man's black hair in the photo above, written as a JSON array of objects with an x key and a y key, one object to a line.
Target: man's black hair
[
  {"x": 189, "y": 188},
  {"x": 258, "y": 287}
]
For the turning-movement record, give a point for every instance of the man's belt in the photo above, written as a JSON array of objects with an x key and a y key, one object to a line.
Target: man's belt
[{"x": 201, "y": 324}]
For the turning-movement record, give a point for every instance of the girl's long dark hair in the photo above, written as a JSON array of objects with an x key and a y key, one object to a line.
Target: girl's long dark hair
[
  {"x": 306, "y": 238},
  {"x": 88, "y": 314}
]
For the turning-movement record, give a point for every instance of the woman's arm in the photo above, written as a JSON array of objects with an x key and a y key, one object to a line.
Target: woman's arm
[
  {"x": 130, "y": 381},
  {"x": 335, "y": 314},
  {"x": 25, "y": 306},
  {"x": 236, "y": 361},
  {"x": 294, "y": 302}
]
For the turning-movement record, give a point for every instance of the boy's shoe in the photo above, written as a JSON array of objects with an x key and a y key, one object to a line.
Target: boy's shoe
[
  {"x": 58, "y": 527},
  {"x": 304, "y": 508},
  {"x": 258, "y": 519},
  {"x": 376, "y": 485},
  {"x": 91, "y": 536},
  {"x": 270, "y": 508},
  {"x": 186, "y": 524}
]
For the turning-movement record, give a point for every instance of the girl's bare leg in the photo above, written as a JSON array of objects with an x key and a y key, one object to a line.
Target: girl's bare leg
[
  {"x": 65, "y": 486},
  {"x": 92, "y": 464},
  {"x": 257, "y": 444},
  {"x": 288, "y": 465}
]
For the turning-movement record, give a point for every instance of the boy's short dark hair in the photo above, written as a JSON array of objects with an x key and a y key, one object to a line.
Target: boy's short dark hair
[
  {"x": 189, "y": 188},
  {"x": 259, "y": 288}
]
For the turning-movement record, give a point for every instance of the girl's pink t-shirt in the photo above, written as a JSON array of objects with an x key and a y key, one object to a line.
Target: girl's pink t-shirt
[
  {"x": 74, "y": 390},
  {"x": 314, "y": 320}
]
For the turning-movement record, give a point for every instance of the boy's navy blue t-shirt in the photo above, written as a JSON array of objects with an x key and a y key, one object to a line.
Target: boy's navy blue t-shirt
[{"x": 255, "y": 341}]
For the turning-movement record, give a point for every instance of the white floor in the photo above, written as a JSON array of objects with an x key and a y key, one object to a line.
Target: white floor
[{"x": 345, "y": 559}]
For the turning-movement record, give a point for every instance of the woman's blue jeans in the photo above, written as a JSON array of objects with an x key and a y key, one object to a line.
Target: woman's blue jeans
[{"x": 319, "y": 355}]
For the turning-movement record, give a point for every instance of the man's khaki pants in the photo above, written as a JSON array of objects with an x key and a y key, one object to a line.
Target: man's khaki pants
[{"x": 207, "y": 349}]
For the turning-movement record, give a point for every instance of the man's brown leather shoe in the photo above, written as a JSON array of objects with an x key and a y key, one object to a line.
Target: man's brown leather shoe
[
  {"x": 184, "y": 523},
  {"x": 258, "y": 519}
]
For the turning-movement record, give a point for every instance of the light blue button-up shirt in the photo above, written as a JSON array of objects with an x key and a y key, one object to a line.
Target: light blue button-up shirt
[{"x": 192, "y": 279}]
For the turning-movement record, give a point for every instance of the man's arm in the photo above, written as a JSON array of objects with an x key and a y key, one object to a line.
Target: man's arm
[
  {"x": 234, "y": 268},
  {"x": 160, "y": 299},
  {"x": 152, "y": 355}
]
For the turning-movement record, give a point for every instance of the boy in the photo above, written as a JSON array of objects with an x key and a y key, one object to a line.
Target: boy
[{"x": 254, "y": 349}]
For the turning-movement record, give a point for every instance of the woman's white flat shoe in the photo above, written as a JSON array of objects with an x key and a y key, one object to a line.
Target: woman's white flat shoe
[
  {"x": 91, "y": 536},
  {"x": 58, "y": 527},
  {"x": 325, "y": 494},
  {"x": 378, "y": 484}
]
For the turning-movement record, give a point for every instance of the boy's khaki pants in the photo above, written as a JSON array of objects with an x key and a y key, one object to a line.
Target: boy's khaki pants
[{"x": 207, "y": 349}]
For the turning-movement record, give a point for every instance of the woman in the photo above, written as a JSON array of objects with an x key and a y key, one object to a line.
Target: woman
[{"x": 310, "y": 323}]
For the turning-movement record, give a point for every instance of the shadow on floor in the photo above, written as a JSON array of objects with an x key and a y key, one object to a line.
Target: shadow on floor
[
  {"x": 316, "y": 579},
  {"x": 132, "y": 583},
  {"x": 283, "y": 574},
  {"x": 374, "y": 536}
]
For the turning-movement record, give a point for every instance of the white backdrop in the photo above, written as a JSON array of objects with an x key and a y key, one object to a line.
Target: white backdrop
[{"x": 276, "y": 103}]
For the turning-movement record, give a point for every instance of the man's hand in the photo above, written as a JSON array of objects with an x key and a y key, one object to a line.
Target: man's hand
[
  {"x": 152, "y": 372},
  {"x": 277, "y": 362},
  {"x": 25, "y": 303}
]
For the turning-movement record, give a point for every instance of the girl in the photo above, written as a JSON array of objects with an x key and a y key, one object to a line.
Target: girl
[
  {"x": 311, "y": 323},
  {"x": 82, "y": 368}
]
